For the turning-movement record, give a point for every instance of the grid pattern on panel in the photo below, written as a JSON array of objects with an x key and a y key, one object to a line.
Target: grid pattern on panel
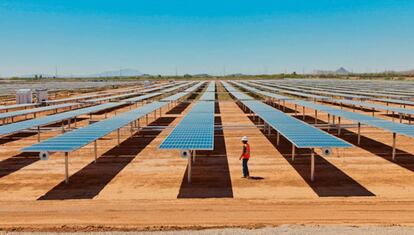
[
  {"x": 301, "y": 134},
  {"x": 196, "y": 130},
  {"x": 35, "y": 110},
  {"x": 78, "y": 138},
  {"x": 265, "y": 93},
  {"x": 374, "y": 106},
  {"x": 183, "y": 93},
  {"x": 297, "y": 132},
  {"x": 295, "y": 93},
  {"x": 210, "y": 93},
  {"x": 398, "y": 128},
  {"x": 322, "y": 92},
  {"x": 23, "y": 125},
  {"x": 236, "y": 94}
]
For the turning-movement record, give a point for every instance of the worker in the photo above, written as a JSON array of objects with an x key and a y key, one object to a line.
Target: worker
[{"x": 245, "y": 156}]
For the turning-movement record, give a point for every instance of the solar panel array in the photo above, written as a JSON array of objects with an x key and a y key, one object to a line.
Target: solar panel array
[
  {"x": 210, "y": 93},
  {"x": 299, "y": 133},
  {"x": 374, "y": 106},
  {"x": 196, "y": 130},
  {"x": 394, "y": 127},
  {"x": 23, "y": 125},
  {"x": 322, "y": 92},
  {"x": 398, "y": 128},
  {"x": 265, "y": 93},
  {"x": 123, "y": 96},
  {"x": 141, "y": 97},
  {"x": 395, "y": 101},
  {"x": 358, "y": 88},
  {"x": 183, "y": 93},
  {"x": 295, "y": 93},
  {"x": 236, "y": 94},
  {"x": 73, "y": 140},
  {"x": 76, "y": 139},
  {"x": 16, "y": 106},
  {"x": 35, "y": 110}
]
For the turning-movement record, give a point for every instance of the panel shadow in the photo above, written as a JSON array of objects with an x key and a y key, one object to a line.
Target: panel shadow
[
  {"x": 17, "y": 162},
  {"x": 329, "y": 180},
  {"x": 210, "y": 172},
  {"x": 90, "y": 180}
]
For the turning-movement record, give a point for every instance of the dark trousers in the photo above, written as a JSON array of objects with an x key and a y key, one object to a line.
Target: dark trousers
[{"x": 245, "y": 167}]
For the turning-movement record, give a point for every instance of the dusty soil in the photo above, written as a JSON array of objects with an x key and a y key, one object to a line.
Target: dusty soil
[{"x": 136, "y": 186}]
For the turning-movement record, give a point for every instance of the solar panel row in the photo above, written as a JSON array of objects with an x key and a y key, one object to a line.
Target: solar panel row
[
  {"x": 183, "y": 93},
  {"x": 236, "y": 94},
  {"x": 16, "y": 106},
  {"x": 294, "y": 93},
  {"x": 374, "y": 106},
  {"x": 196, "y": 130},
  {"x": 322, "y": 92},
  {"x": 20, "y": 126},
  {"x": 299, "y": 133},
  {"x": 210, "y": 93},
  {"x": 36, "y": 110},
  {"x": 123, "y": 96},
  {"x": 265, "y": 93},
  {"x": 73, "y": 140},
  {"x": 393, "y": 127}
]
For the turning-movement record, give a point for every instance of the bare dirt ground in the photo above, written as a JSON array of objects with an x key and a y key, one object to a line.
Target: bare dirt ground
[{"x": 136, "y": 186}]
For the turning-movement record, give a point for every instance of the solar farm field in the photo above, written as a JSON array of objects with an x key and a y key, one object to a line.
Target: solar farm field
[{"x": 166, "y": 157}]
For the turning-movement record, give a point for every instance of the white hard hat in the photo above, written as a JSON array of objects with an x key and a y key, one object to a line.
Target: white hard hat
[{"x": 244, "y": 138}]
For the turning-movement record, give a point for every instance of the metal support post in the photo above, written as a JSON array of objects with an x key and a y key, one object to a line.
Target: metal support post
[
  {"x": 95, "y": 146},
  {"x": 394, "y": 138},
  {"x": 66, "y": 168},
  {"x": 312, "y": 165}
]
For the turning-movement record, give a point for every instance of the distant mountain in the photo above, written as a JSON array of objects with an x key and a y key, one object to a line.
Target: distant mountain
[
  {"x": 118, "y": 73},
  {"x": 340, "y": 71}
]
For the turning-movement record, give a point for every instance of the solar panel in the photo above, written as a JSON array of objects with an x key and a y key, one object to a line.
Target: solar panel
[
  {"x": 265, "y": 93},
  {"x": 393, "y": 127},
  {"x": 374, "y": 106},
  {"x": 183, "y": 93},
  {"x": 295, "y": 93},
  {"x": 195, "y": 87},
  {"x": 73, "y": 140},
  {"x": 299, "y": 133},
  {"x": 123, "y": 96},
  {"x": 177, "y": 87},
  {"x": 23, "y": 125},
  {"x": 396, "y": 101},
  {"x": 77, "y": 98},
  {"x": 140, "y": 98},
  {"x": 35, "y": 110},
  {"x": 210, "y": 93},
  {"x": 78, "y": 138},
  {"x": 16, "y": 106},
  {"x": 196, "y": 130}
]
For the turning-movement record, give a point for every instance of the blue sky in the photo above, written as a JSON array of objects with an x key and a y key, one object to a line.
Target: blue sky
[{"x": 158, "y": 36}]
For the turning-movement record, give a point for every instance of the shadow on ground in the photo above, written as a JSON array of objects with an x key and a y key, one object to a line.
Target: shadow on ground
[
  {"x": 17, "y": 162},
  {"x": 210, "y": 172},
  {"x": 90, "y": 180},
  {"x": 329, "y": 180}
]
